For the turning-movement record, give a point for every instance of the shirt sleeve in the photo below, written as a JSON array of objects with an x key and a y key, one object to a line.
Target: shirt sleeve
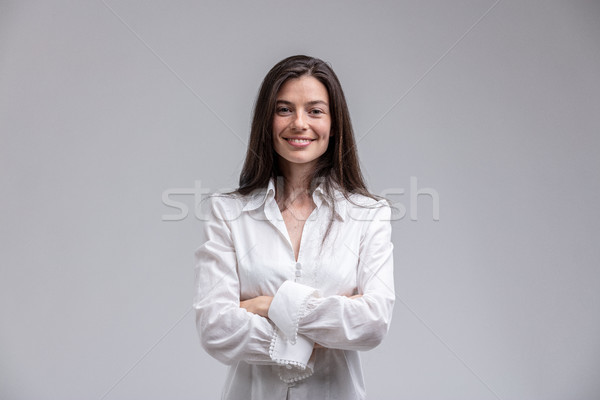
[
  {"x": 338, "y": 321},
  {"x": 228, "y": 332}
]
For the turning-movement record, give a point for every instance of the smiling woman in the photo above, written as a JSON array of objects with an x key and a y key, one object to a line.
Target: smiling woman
[
  {"x": 296, "y": 274},
  {"x": 302, "y": 122}
]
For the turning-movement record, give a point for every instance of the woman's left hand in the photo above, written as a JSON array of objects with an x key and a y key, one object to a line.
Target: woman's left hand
[{"x": 258, "y": 305}]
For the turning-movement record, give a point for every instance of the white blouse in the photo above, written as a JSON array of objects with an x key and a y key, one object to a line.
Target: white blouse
[{"x": 248, "y": 253}]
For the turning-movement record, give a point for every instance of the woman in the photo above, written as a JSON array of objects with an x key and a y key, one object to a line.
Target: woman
[{"x": 295, "y": 276}]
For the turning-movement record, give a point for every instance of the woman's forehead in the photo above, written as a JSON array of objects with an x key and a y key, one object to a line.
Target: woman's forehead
[{"x": 306, "y": 87}]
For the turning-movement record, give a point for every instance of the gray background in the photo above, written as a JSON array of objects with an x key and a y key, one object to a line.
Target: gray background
[{"x": 103, "y": 106}]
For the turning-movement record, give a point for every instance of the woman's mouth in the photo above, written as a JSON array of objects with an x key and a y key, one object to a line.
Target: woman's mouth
[{"x": 299, "y": 142}]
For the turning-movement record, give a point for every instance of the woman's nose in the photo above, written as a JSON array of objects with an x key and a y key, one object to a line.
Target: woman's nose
[{"x": 299, "y": 122}]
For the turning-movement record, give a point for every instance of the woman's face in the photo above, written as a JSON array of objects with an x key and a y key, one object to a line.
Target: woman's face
[{"x": 302, "y": 121}]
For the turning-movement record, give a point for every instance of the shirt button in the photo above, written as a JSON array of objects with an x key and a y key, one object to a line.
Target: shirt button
[
  {"x": 298, "y": 273},
  {"x": 288, "y": 366},
  {"x": 298, "y": 265}
]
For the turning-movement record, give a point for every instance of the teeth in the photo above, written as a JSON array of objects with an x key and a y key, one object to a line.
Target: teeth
[{"x": 299, "y": 140}]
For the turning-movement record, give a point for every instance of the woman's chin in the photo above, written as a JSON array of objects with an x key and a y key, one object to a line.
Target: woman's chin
[{"x": 299, "y": 160}]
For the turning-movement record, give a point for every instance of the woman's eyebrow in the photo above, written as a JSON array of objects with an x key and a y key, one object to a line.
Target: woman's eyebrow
[{"x": 310, "y": 103}]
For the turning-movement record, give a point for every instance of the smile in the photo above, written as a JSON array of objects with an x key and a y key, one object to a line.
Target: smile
[
  {"x": 299, "y": 143},
  {"x": 299, "y": 140}
]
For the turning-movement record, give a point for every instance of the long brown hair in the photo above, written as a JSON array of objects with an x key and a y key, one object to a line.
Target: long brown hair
[{"x": 338, "y": 166}]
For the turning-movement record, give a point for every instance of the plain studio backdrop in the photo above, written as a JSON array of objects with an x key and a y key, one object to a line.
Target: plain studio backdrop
[{"x": 107, "y": 106}]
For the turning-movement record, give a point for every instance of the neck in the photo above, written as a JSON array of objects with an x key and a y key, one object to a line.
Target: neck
[{"x": 296, "y": 180}]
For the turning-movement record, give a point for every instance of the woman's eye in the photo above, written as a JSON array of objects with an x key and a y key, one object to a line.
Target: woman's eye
[
  {"x": 316, "y": 112},
  {"x": 283, "y": 110}
]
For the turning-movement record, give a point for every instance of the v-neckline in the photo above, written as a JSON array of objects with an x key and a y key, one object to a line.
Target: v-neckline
[
  {"x": 283, "y": 229},
  {"x": 302, "y": 235}
]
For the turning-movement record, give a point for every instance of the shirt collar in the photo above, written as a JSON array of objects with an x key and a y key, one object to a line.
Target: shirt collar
[
  {"x": 259, "y": 197},
  {"x": 264, "y": 195}
]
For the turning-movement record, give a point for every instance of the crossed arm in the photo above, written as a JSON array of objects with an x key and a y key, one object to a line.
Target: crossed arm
[{"x": 260, "y": 306}]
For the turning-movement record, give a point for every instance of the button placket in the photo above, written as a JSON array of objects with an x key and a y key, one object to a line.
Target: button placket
[{"x": 298, "y": 272}]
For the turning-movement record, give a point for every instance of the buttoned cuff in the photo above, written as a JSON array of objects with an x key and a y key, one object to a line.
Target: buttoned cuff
[
  {"x": 288, "y": 305},
  {"x": 295, "y": 360},
  {"x": 293, "y": 375}
]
